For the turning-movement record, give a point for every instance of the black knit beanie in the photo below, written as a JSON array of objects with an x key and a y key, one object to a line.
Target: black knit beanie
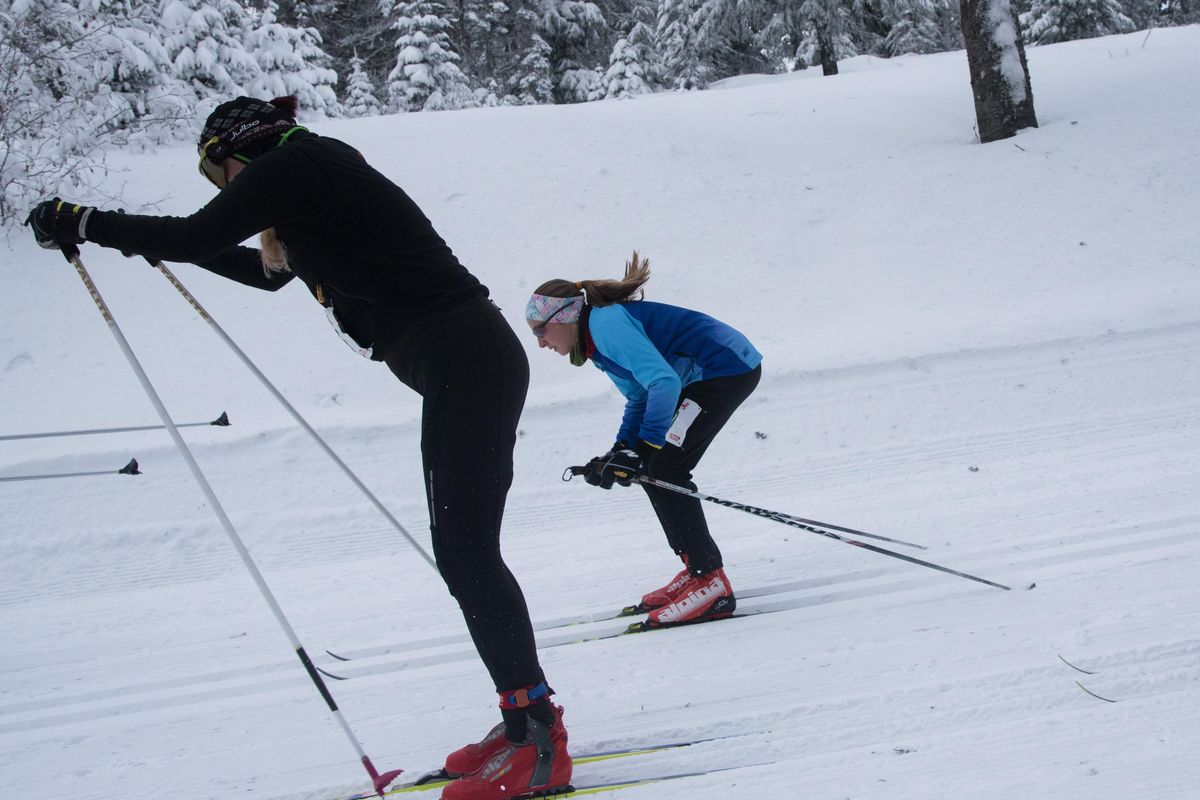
[{"x": 250, "y": 127}]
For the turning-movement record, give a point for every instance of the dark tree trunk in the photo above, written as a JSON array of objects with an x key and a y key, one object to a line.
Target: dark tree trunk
[
  {"x": 995, "y": 53},
  {"x": 828, "y": 55}
]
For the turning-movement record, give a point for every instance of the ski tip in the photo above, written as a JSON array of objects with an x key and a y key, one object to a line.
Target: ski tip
[
  {"x": 1093, "y": 694},
  {"x": 330, "y": 675},
  {"x": 1072, "y": 666}
]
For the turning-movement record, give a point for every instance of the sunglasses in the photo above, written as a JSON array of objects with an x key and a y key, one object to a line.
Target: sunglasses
[
  {"x": 212, "y": 170},
  {"x": 212, "y": 157},
  {"x": 539, "y": 330}
]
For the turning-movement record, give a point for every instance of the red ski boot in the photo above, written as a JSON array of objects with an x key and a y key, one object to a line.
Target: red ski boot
[
  {"x": 665, "y": 594},
  {"x": 538, "y": 765},
  {"x": 702, "y": 598},
  {"x": 470, "y": 758}
]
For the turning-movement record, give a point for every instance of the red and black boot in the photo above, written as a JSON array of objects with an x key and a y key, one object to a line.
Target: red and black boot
[
  {"x": 525, "y": 756},
  {"x": 470, "y": 758},
  {"x": 700, "y": 599},
  {"x": 665, "y": 594}
]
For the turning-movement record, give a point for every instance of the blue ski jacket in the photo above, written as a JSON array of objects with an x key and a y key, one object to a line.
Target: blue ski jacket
[{"x": 651, "y": 351}]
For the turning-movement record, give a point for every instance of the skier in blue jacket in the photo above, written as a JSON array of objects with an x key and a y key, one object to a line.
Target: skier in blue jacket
[{"x": 683, "y": 374}]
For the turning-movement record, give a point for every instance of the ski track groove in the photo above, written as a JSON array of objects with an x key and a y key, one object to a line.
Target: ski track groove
[
  {"x": 281, "y": 675},
  {"x": 1083, "y": 441},
  {"x": 1007, "y": 558},
  {"x": 1136, "y": 664}
]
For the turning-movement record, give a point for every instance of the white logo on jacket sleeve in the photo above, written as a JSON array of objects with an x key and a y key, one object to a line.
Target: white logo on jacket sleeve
[{"x": 684, "y": 417}]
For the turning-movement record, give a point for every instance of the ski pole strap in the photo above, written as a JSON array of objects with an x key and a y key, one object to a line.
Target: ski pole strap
[{"x": 520, "y": 698}]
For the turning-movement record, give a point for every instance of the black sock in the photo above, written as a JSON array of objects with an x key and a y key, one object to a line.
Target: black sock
[{"x": 516, "y": 720}]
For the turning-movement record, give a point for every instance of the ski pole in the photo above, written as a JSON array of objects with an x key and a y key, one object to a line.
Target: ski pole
[
  {"x": 300, "y": 420},
  {"x": 853, "y": 531},
  {"x": 129, "y": 469},
  {"x": 778, "y": 516},
  {"x": 787, "y": 520},
  {"x": 790, "y": 521},
  {"x": 380, "y": 781},
  {"x": 221, "y": 422}
]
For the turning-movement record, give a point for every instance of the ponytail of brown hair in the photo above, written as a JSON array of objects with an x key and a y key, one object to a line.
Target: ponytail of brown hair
[{"x": 604, "y": 292}]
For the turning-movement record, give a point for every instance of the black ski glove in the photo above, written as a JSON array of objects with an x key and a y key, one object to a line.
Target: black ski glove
[
  {"x": 617, "y": 466},
  {"x": 593, "y": 468},
  {"x": 58, "y": 225}
]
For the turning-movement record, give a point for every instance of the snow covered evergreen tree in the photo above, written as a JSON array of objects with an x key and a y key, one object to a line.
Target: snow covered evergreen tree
[
  {"x": 913, "y": 28},
  {"x": 948, "y": 15},
  {"x": 74, "y": 79},
  {"x": 426, "y": 76},
  {"x": 479, "y": 30},
  {"x": 357, "y": 29},
  {"x": 634, "y": 66},
  {"x": 305, "y": 13},
  {"x": 626, "y": 76},
  {"x": 576, "y": 32},
  {"x": 1179, "y": 12},
  {"x": 727, "y": 36},
  {"x": 641, "y": 36},
  {"x": 360, "y": 98},
  {"x": 825, "y": 39},
  {"x": 677, "y": 37},
  {"x": 511, "y": 55},
  {"x": 533, "y": 83},
  {"x": 1050, "y": 21},
  {"x": 205, "y": 46},
  {"x": 291, "y": 61},
  {"x": 131, "y": 61}
]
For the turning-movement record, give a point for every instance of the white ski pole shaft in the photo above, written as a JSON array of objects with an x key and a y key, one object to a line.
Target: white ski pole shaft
[
  {"x": 300, "y": 420},
  {"x": 219, "y": 510}
]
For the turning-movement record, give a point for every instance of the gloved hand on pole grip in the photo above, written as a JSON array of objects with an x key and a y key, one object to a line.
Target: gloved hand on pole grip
[
  {"x": 57, "y": 224},
  {"x": 593, "y": 468},
  {"x": 620, "y": 465}
]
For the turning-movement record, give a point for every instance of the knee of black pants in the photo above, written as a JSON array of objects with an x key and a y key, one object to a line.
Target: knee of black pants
[{"x": 468, "y": 572}]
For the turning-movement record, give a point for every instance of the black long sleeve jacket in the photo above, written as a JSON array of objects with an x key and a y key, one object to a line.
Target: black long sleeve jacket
[{"x": 355, "y": 238}]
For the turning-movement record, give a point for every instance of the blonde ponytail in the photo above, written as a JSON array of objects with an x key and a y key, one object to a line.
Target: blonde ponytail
[{"x": 274, "y": 255}]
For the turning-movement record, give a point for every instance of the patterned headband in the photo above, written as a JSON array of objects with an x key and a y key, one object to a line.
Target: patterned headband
[{"x": 542, "y": 309}]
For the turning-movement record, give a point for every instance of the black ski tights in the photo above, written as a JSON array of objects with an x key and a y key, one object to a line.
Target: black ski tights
[
  {"x": 681, "y": 516},
  {"x": 473, "y": 375}
]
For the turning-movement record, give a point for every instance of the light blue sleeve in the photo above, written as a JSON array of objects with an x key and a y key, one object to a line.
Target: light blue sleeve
[{"x": 624, "y": 341}]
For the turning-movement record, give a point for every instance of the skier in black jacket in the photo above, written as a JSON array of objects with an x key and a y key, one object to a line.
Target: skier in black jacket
[{"x": 394, "y": 288}]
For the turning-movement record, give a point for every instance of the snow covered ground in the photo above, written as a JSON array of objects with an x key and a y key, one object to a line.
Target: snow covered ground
[{"x": 993, "y": 351}]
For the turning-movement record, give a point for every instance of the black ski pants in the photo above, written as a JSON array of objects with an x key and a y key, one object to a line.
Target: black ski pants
[
  {"x": 472, "y": 372},
  {"x": 681, "y": 516}
]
